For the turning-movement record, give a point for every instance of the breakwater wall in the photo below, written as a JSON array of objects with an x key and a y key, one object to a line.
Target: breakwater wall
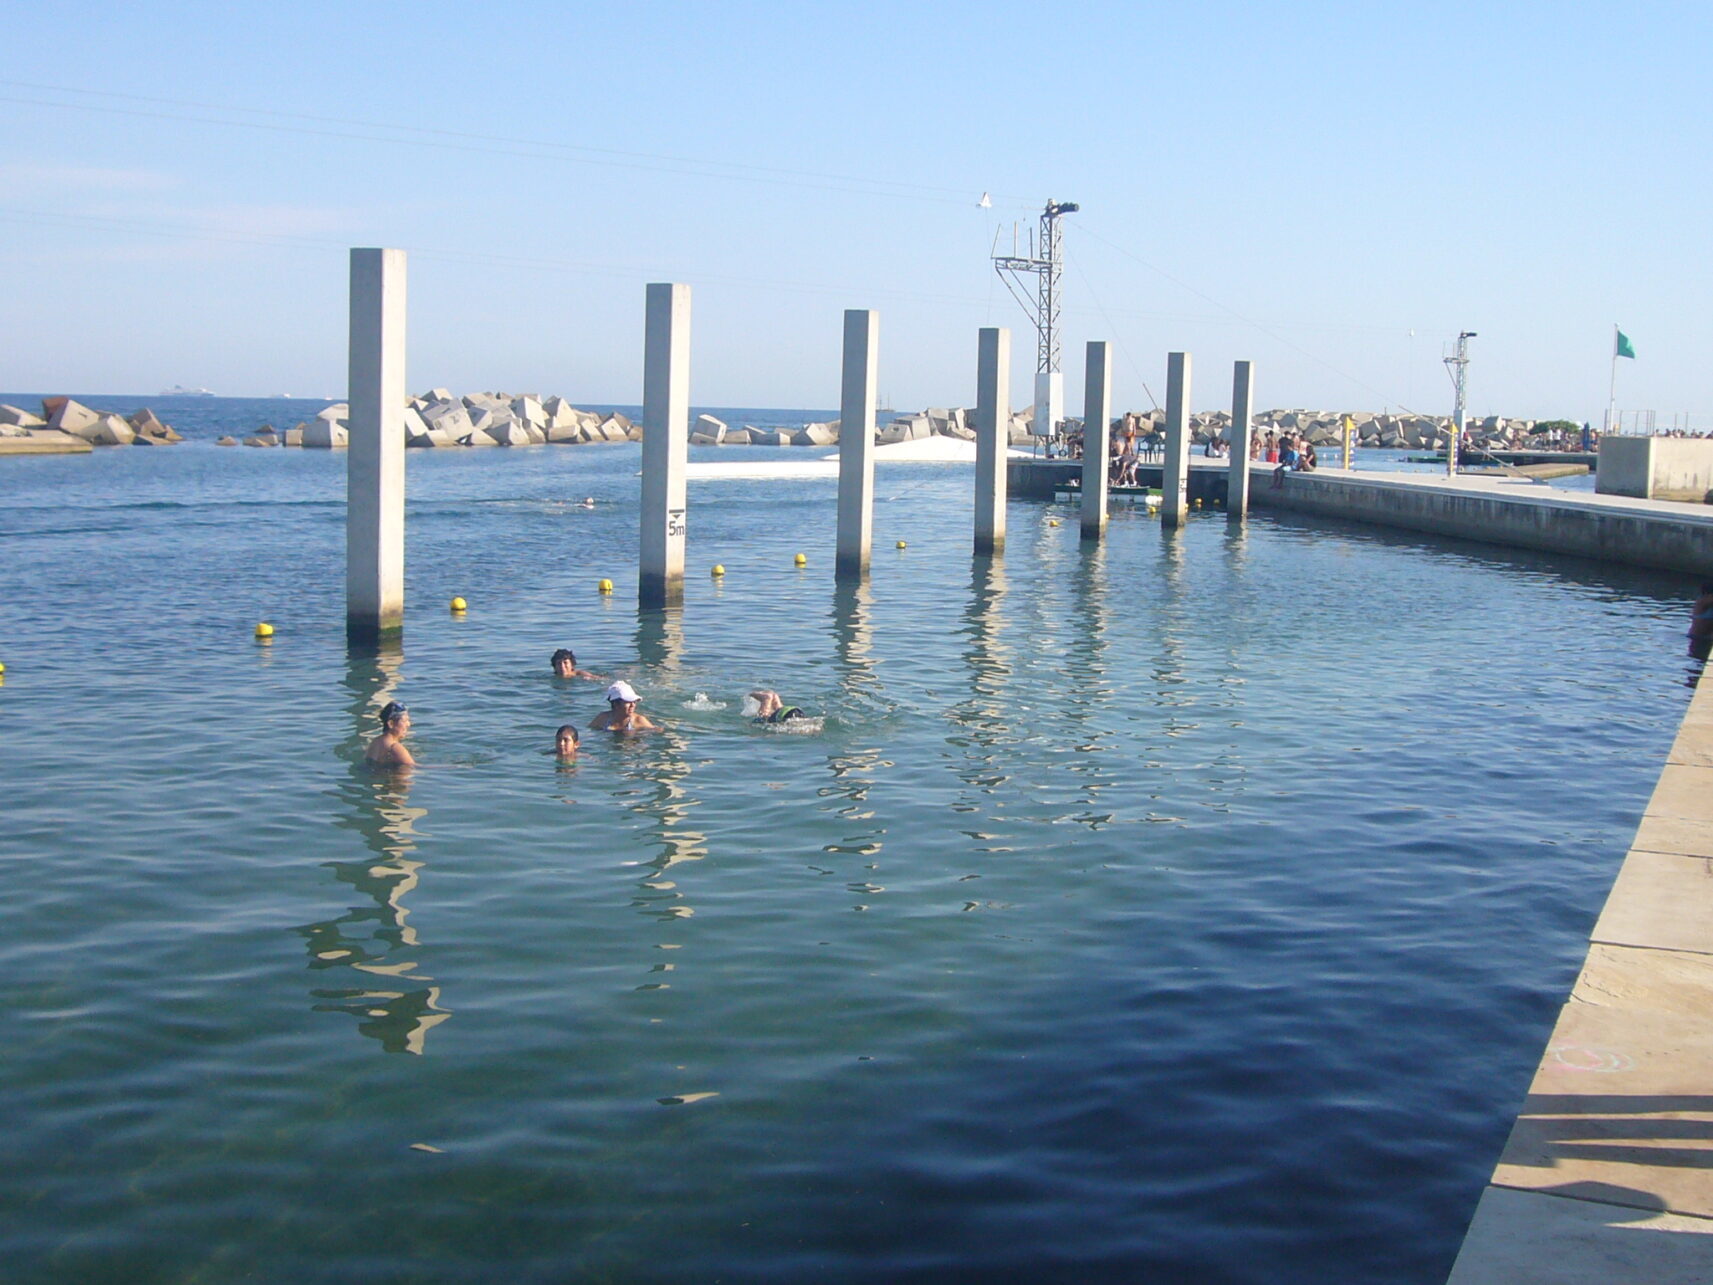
[{"x": 1646, "y": 533}]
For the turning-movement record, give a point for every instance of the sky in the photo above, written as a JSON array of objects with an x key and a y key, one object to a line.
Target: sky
[{"x": 1332, "y": 190}]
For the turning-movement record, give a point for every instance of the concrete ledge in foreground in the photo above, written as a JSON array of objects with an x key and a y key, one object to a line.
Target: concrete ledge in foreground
[{"x": 1608, "y": 1173}]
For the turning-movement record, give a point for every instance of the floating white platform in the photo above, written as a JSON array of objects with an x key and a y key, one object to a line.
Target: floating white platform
[{"x": 926, "y": 450}]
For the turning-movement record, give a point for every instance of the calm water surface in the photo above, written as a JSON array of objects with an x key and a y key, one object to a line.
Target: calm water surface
[{"x": 1193, "y": 910}]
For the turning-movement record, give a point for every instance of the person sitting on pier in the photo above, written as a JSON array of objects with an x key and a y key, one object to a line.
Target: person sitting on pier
[
  {"x": 565, "y": 744},
  {"x": 622, "y": 716},
  {"x": 1288, "y": 457},
  {"x": 769, "y": 708},
  {"x": 387, "y": 750},
  {"x": 1306, "y": 459},
  {"x": 564, "y": 664}
]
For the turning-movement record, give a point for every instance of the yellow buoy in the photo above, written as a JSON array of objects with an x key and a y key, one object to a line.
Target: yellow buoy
[
  {"x": 264, "y": 630},
  {"x": 1052, "y": 521},
  {"x": 802, "y": 559},
  {"x": 458, "y": 604},
  {"x": 606, "y": 586},
  {"x": 717, "y": 571},
  {"x": 2, "y": 669},
  {"x": 902, "y": 545}
]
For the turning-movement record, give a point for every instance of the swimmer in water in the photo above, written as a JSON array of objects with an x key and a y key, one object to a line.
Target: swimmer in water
[
  {"x": 769, "y": 708},
  {"x": 622, "y": 717},
  {"x": 387, "y": 749},
  {"x": 565, "y": 743},
  {"x": 564, "y": 664},
  {"x": 588, "y": 501}
]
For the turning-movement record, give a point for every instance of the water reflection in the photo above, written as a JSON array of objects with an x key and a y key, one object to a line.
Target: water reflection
[
  {"x": 982, "y": 720},
  {"x": 854, "y": 768},
  {"x": 1091, "y": 695},
  {"x": 392, "y": 999},
  {"x": 660, "y": 640}
]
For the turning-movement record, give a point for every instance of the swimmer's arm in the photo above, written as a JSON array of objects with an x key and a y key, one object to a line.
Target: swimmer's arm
[
  {"x": 402, "y": 757},
  {"x": 586, "y": 676},
  {"x": 601, "y": 721}
]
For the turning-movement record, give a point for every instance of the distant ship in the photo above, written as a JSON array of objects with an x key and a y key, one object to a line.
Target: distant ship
[{"x": 178, "y": 390}]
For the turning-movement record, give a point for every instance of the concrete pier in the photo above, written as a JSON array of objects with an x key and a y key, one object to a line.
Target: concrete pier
[
  {"x": 1667, "y": 534},
  {"x": 1607, "y": 1175},
  {"x": 857, "y": 400},
  {"x": 1242, "y": 428},
  {"x": 374, "y": 467},
  {"x": 1174, "y": 502},
  {"x": 665, "y": 446},
  {"x": 1097, "y": 428},
  {"x": 993, "y": 419}
]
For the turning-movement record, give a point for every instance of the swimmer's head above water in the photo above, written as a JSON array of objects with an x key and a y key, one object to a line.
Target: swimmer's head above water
[
  {"x": 565, "y": 743},
  {"x": 564, "y": 662},
  {"x": 395, "y": 718}
]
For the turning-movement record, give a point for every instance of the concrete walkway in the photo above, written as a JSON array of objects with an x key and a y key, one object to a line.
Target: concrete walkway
[
  {"x": 1665, "y": 534},
  {"x": 1608, "y": 1174}
]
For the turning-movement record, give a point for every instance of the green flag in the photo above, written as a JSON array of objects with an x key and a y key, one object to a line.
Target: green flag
[{"x": 1625, "y": 348}]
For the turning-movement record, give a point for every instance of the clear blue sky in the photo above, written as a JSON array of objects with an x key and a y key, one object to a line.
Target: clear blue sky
[{"x": 1303, "y": 184}]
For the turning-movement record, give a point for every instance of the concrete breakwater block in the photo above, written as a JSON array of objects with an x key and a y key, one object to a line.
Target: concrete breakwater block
[
  {"x": 20, "y": 418},
  {"x": 325, "y": 434}
]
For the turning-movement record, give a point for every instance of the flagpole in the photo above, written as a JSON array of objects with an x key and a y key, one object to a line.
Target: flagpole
[{"x": 1612, "y": 390}]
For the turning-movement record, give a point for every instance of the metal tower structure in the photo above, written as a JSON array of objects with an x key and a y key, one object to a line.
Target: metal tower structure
[
  {"x": 1045, "y": 262},
  {"x": 1457, "y": 366}
]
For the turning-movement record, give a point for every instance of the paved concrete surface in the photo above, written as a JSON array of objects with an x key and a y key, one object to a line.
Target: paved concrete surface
[
  {"x": 1668, "y": 534},
  {"x": 1608, "y": 1173}
]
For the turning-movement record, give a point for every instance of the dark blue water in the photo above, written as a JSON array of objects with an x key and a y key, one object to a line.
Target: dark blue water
[{"x": 1193, "y": 910}]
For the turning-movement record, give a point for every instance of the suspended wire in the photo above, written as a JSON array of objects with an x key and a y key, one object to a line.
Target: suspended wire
[
  {"x": 491, "y": 144},
  {"x": 1269, "y": 331},
  {"x": 1112, "y": 330}
]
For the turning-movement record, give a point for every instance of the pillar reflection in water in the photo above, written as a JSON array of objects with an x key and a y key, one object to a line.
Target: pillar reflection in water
[
  {"x": 854, "y": 768},
  {"x": 372, "y": 947},
  {"x": 1090, "y": 708},
  {"x": 656, "y": 766},
  {"x": 984, "y": 732},
  {"x": 1172, "y": 672}
]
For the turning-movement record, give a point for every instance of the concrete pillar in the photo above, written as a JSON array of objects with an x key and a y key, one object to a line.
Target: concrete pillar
[
  {"x": 1175, "y": 476},
  {"x": 1097, "y": 427},
  {"x": 665, "y": 445},
  {"x": 1242, "y": 418},
  {"x": 992, "y": 434},
  {"x": 374, "y": 465},
  {"x": 856, "y": 443}
]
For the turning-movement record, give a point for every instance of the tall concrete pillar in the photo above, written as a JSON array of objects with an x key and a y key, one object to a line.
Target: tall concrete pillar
[
  {"x": 856, "y": 443},
  {"x": 1242, "y": 419},
  {"x": 1097, "y": 427},
  {"x": 992, "y": 434},
  {"x": 374, "y": 465},
  {"x": 1176, "y": 473},
  {"x": 665, "y": 445}
]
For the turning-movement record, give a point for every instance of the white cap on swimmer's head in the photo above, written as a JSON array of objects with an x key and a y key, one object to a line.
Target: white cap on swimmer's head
[{"x": 621, "y": 691}]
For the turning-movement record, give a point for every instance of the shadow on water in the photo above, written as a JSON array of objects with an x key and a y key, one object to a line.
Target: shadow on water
[{"x": 375, "y": 937}]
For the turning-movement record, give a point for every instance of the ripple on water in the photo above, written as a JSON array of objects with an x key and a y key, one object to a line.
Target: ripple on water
[{"x": 1157, "y": 912}]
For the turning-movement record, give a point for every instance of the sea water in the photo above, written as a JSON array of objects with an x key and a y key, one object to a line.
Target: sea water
[{"x": 1193, "y": 907}]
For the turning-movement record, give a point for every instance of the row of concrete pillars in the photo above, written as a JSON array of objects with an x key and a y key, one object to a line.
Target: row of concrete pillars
[{"x": 375, "y": 466}]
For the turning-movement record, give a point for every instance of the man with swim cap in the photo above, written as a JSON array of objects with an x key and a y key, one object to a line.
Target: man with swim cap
[
  {"x": 387, "y": 749},
  {"x": 769, "y": 708},
  {"x": 622, "y": 716}
]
